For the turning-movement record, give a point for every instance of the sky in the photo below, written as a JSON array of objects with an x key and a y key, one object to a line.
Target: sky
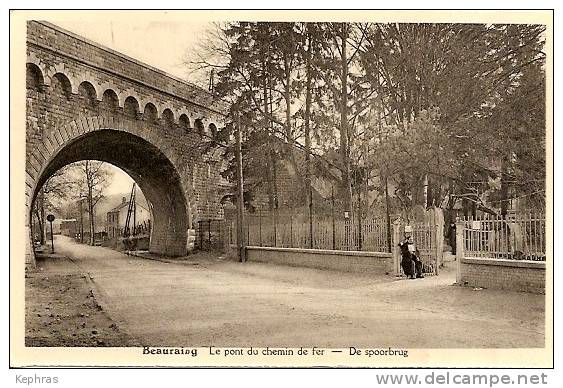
[
  {"x": 162, "y": 44},
  {"x": 121, "y": 182}
]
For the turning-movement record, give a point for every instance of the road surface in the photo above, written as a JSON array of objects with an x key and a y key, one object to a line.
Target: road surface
[{"x": 209, "y": 301}]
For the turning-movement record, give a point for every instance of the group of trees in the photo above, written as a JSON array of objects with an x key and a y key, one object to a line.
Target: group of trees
[
  {"x": 420, "y": 113},
  {"x": 71, "y": 192}
]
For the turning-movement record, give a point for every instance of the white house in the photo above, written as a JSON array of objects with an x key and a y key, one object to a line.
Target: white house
[{"x": 117, "y": 217}]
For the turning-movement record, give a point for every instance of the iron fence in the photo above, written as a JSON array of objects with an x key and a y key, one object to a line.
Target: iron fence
[
  {"x": 320, "y": 231},
  {"x": 142, "y": 228},
  {"x": 212, "y": 234},
  {"x": 516, "y": 237}
]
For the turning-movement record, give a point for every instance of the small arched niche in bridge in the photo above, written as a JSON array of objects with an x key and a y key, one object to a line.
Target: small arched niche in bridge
[
  {"x": 213, "y": 131},
  {"x": 168, "y": 118},
  {"x": 199, "y": 127},
  {"x": 184, "y": 123},
  {"x": 110, "y": 101},
  {"x": 154, "y": 173},
  {"x": 34, "y": 77},
  {"x": 151, "y": 113},
  {"x": 87, "y": 96},
  {"x": 61, "y": 89},
  {"x": 131, "y": 107}
]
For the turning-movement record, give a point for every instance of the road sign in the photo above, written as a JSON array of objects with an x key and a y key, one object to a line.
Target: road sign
[{"x": 51, "y": 218}]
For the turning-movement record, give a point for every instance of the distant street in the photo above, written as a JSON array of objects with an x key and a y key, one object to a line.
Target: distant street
[{"x": 209, "y": 301}]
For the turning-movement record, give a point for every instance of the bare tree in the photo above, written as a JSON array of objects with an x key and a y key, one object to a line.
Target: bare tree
[
  {"x": 93, "y": 181},
  {"x": 55, "y": 191}
]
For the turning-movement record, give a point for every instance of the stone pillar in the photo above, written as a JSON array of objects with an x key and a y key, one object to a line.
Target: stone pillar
[
  {"x": 438, "y": 236},
  {"x": 395, "y": 249},
  {"x": 459, "y": 249}
]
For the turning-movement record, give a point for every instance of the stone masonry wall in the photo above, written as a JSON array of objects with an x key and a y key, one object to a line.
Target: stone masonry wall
[
  {"x": 75, "y": 86},
  {"x": 503, "y": 274},
  {"x": 362, "y": 262}
]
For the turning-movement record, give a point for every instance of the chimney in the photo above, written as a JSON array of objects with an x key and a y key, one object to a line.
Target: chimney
[{"x": 123, "y": 199}]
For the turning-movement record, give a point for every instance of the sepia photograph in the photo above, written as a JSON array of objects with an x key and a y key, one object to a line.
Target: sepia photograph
[{"x": 237, "y": 188}]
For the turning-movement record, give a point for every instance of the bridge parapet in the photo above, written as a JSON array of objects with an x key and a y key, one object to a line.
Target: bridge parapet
[
  {"x": 85, "y": 101},
  {"x": 57, "y": 51}
]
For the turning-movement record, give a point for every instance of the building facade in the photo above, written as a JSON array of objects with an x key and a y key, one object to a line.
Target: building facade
[{"x": 117, "y": 218}]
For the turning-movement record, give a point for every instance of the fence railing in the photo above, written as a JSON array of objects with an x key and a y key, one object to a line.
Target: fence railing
[
  {"x": 323, "y": 231},
  {"x": 141, "y": 228},
  {"x": 517, "y": 237},
  {"x": 212, "y": 234}
]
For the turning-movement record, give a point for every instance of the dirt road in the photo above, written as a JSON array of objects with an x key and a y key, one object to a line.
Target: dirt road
[
  {"x": 61, "y": 308},
  {"x": 207, "y": 301}
]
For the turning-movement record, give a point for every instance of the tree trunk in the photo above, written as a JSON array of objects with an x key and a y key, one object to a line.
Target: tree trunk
[
  {"x": 344, "y": 131},
  {"x": 269, "y": 180},
  {"x": 504, "y": 188},
  {"x": 40, "y": 214},
  {"x": 308, "y": 98},
  {"x": 274, "y": 178},
  {"x": 41, "y": 226},
  {"x": 387, "y": 213},
  {"x": 81, "y": 221},
  {"x": 287, "y": 98},
  {"x": 91, "y": 214},
  {"x": 288, "y": 125},
  {"x": 465, "y": 207},
  {"x": 270, "y": 175},
  {"x": 452, "y": 199},
  {"x": 240, "y": 190},
  {"x": 273, "y": 150},
  {"x": 425, "y": 200}
]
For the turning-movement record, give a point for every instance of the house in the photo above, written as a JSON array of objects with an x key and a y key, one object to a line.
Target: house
[
  {"x": 69, "y": 227},
  {"x": 117, "y": 217},
  {"x": 56, "y": 225}
]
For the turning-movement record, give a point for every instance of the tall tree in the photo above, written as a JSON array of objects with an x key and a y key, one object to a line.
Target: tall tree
[
  {"x": 52, "y": 196},
  {"x": 94, "y": 180},
  {"x": 464, "y": 73},
  {"x": 432, "y": 101}
]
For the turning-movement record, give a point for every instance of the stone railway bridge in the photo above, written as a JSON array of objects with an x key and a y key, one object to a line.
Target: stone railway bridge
[{"x": 85, "y": 101}]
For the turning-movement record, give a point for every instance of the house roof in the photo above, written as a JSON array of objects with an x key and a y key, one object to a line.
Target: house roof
[{"x": 123, "y": 205}]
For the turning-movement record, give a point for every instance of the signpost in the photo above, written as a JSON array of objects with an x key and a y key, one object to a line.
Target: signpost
[{"x": 51, "y": 218}]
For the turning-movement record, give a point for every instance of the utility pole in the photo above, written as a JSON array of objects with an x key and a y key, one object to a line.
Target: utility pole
[
  {"x": 134, "y": 208},
  {"x": 131, "y": 211},
  {"x": 240, "y": 190}
]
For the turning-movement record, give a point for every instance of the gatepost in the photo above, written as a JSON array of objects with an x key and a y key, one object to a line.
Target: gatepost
[
  {"x": 394, "y": 250},
  {"x": 438, "y": 235},
  {"x": 459, "y": 247}
]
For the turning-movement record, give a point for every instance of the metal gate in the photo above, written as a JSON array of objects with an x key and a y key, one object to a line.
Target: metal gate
[{"x": 211, "y": 234}]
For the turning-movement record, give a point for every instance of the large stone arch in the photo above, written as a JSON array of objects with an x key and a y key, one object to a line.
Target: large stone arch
[
  {"x": 143, "y": 156},
  {"x": 58, "y": 128}
]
